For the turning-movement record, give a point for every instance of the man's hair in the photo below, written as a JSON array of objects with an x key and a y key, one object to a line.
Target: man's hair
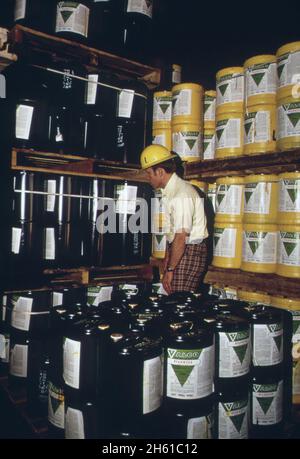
[{"x": 169, "y": 166}]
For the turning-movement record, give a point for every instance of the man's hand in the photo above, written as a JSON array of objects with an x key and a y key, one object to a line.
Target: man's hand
[{"x": 167, "y": 282}]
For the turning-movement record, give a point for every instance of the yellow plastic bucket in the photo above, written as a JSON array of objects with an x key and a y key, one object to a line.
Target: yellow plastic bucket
[
  {"x": 261, "y": 195},
  {"x": 230, "y": 199},
  {"x": 260, "y": 80},
  {"x": 288, "y": 257},
  {"x": 210, "y": 98},
  {"x": 229, "y": 131},
  {"x": 259, "y": 248},
  {"x": 162, "y": 136},
  {"x": 202, "y": 185},
  {"x": 227, "y": 245},
  {"x": 288, "y": 123},
  {"x": 254, "y": 298},
  {"x": 159, "y": 245},
  {"x": 230, "y": 86},
  {"x": 289, "y": 198},
  {"x": 158, "y": 214},
  {"x": 288, "y": 66},
  {"x": 187, "y": 99},
  {"x": 209, "y": 143},
  {"x": 212, "y": 193},
  {"x": 162, "y": 109},
  {"x": 260, "y": 129},
  {"x": 292, "y": 306},
  {"x": 187, "y": 141}
]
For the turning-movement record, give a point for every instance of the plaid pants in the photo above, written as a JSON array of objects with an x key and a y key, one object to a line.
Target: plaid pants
[{"x": 192, "y": 268}]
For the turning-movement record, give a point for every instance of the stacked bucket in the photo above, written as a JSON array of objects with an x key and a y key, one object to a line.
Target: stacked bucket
[
  {"x": 159, "y": 239},
  {"x": 162, "y": 117},
  {"x": 288, "y": 96},
  {"x": 228, "y": 223},
  {"x": 230, "y": 112},
  {"x": 187, "y": 121},
  {"x": 260, "y": 105},
  {"x": 209, "y": 139}
]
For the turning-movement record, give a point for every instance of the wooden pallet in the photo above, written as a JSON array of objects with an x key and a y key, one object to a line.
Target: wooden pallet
[
  {"x": 99, "y": 275},
  {"x": 45, "y": 162},
  {"x": 266, "y": 163},
  {"x": 23, "y": 39},
  {"x": 17, "y": 397},
  {"x": 260, "y": 283}
]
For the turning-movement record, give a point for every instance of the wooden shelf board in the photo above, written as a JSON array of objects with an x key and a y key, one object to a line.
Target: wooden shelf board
[
  {"x": 47, "y": 162},
  {"x": 22, "y": 38},
  {"x": 267, "y": 163},
  {"x": 88, "y": 275},
  {"x": 262, "y": 283}
]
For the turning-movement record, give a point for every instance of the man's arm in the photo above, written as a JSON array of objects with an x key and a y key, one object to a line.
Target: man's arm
[{"x": 174, "y": 256}]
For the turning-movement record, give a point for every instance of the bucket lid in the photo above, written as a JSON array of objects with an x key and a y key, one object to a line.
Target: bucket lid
[
  {"x": 231, "y": 181},
  {"x": 230, "y": 71},
  {"x": 163, "y": 94},
  {"x": 225, "y": 109},
  {"x": 262, "y": 178},
  {"x": 193, "y": 86},
  {"x": 261, "y": 59},
  {"x": 288, "y": 48},
  {"x": 210, "y": 93}
]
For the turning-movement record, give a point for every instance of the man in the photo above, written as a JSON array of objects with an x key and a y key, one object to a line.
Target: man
[{"x": 186, "y": 259}]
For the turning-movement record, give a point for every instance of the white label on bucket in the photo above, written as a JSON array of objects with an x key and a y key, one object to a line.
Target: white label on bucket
[
  {"x": 187, "y": 144},
  {"x": 209, "y": 108},
  {"x": 229, "y": 199},
  {"x": 74, "y": 425},
  {"x": 257, "y": 198},
  {"x": 97, "y": 294},
  {"x": 50, "y": 200},
  {"x": 190, "y": 373},
  {"x": 289, "y": 249},
  {"x": 199, "y": 428},
  {"x": 159, "y": 243},
  {"x": 267, "y": 345},
  {"x": 92, "y": 88},
  {"x": 140, "y": 6},
  {"x": 288, "y": 67},
  {"x": 257, "y": 127},
  {"x": 49, "y": 249},
  {"x": 57, "y": 299},
  {"x": 72, "y": 17},
  {"x": 289, "y": 195},
  {"x": 24, "y": 114},
  {"x": 182, "y": 102},
  {"x": 233, "y": 420},
  {"x": 225, "y": 242},
  {"x": 228, "y": 133},
  {"x": 230, "y": 88},
  {"x": 125, "y": 103},
  {"x": 4, "y": 348},
  {"x": 71, "y": 357},
  {"x": 16, "y": 240},
  {"x": 20, "y": 10},
  {"x": 209, "y": 146},
  {"x": 152, "y": 384},
  {"x": 261, "y": 79},
  {"x": 20, "y": 317},
  {"x": 267, "y": 404},
  {"x": 288, "y": 120},
  {"x": 162, "y": 109},
  {"x": 56, "y": 406},
  {"x": 296, "y": 328},
  {"x": 160, "y": 139},
  {"x": 126, "y": 200},
  {"x": 234, "y": 354},
  {"x": 259, "y": 247},
  {"x": 19, "y": 361}
]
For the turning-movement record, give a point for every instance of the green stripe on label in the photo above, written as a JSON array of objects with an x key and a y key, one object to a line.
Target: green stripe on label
[
  {"x": 182, "y": 372},
  {"x": 289, "y": 247},
  {"x": 257, "y": 78},
  {"x": 265, "y": 403},
  {"x": 223, "y": 88}
]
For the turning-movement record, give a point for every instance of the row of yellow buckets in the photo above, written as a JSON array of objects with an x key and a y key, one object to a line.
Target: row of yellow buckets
[
  {"x": 255, "y": 109},
  {"x": 292, "y": 305}
]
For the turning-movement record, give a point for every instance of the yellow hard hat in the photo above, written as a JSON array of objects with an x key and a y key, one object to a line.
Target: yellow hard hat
[{"x": 155, "y": 154}]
